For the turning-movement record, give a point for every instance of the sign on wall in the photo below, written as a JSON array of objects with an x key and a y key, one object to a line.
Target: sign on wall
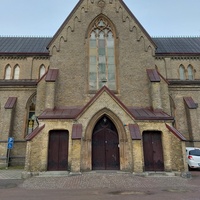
[{"x": 10, "y": 143}]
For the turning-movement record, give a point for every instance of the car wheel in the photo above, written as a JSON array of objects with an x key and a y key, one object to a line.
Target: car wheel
[{"x": 189, "y": 168}]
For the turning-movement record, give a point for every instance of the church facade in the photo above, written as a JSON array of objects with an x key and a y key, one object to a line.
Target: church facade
[{"x": 102, "y": 94}]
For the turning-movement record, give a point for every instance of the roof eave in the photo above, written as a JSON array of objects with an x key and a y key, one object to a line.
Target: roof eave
[
  {"x": 24, "y": 53},
  {"x": 177, "y": 54}
]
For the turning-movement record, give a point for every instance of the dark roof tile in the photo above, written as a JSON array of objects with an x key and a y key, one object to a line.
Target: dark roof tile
[
  {"x": 60, "y": 113},
  {"x": 52, "y": 75},
  {"x": 153, "y": 75},
  {"x": 135, "y": 132},
  {"x": 190, "y": 103},
  {"x": 175, "y": 132},
  {"x": 35, "y": 132},
  {"x": 10, "y": 103},
  {"x": 77, "y": 131},
  {"x": 177, "y": 45},
  {"x": 168, "y": 45},
  {"x": 26, "y": 45},
  {"x": 149, "y": 114}
]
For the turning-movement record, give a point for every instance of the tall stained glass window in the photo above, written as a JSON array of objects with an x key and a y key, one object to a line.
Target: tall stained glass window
[{"x": 102, "y": 67}]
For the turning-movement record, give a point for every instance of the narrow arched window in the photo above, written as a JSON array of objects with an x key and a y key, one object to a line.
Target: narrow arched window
[
  {"x": 190, "y": 73},
  {"x": 102, "y": 66},
  {"x": 182, "y": 72},
  {"x": 16, "y": 72},
  {"x": 31, "y": 115},
  {"x": 42, "y": 71},
  {"x": 8, "y": 72}
]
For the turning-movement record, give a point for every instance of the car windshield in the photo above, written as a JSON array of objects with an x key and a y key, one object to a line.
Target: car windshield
[{"x": 195, "y": 152}]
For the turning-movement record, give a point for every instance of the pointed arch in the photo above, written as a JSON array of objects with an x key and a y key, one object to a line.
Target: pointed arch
[
  {"x": 96, "y": 19},
  {"x": 134, "y": 30},
  {"x": 190, "y": 72},
  {"x": 113, "y": 117},
  {"x": 182, "y": 72},
  {"x": 150, "y": 49},
  {"x": 105, "y": 150},
  {"x": 86, "y": 148},
  {"x": 42, "y": 70},
  {"x": 16, "y": 72},
  {"x": 30, "y": 114},
  {"x": 102, "y": 47},
  {"x": 7, "y": 73},
  {"x": 54, "y": 50},
  {"x": 62, "y": 39}
]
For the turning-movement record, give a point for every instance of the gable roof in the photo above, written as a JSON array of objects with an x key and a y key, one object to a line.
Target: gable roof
[
  {"x": 24, "y": 45},
  {"x": 35, "y": 132},
  {"x": 79, "y": 4},
  {"x": 76, "y": 112},
  {"x": 177, "y": 45}
]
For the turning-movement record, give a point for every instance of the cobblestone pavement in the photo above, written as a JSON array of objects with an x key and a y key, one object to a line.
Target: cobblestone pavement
[
  {"x": 107, "y": 181},
  {"x": 10, "y": 174},
  {"x": 100, "y": 186}
]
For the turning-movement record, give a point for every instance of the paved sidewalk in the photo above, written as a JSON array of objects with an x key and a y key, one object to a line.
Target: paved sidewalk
[
  {"x": 103, "y": 180},
  {"x": 107, "y": 181},
  {"x": 98, "y": 186},
  {"x": 11, "y": 174}
]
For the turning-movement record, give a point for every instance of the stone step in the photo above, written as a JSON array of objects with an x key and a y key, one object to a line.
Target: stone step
[
  {"x": 53, "y": 174},
  {"x": 158, "y": 174}
]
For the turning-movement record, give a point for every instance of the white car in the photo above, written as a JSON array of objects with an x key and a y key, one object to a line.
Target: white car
[{"x": 193, "y": 157}]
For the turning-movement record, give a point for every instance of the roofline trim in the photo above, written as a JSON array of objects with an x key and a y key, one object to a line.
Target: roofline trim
[
  {"x": 177, "y": 54},
  {"x": 24, "y": 53}
]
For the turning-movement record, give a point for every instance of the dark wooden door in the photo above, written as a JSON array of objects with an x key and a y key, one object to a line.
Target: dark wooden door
[
  {"x": 153, "y": 151},
  {"x": 58, "y": 151},
  {"x": 105, "y": 150}
]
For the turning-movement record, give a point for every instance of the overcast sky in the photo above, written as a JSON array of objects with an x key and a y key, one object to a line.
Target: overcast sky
[{"x": 44, "y": 17}]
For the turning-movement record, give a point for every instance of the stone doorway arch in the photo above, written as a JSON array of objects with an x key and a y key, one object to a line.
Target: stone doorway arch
[
  {"x": 105, "y": 146},
  {"x": 125, "y": 155}
]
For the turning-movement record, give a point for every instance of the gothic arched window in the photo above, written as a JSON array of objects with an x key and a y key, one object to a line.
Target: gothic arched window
[
  {"x": 8, "y": 72},
  {"x": 16, "y": 72},
  {"x": 31, "y": 115},
  {"x": 190, "y": 73},
  {"x": 182, "y": 72},
  {"x": 42, "y": 71},
  {"x": 102, "y": 65}
]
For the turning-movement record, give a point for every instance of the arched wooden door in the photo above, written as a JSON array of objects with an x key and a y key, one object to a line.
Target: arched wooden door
[
  {"x": 153, "y": 151},
  {"x": 58, "y": 151},
  {"x": 105, "y": 146}
]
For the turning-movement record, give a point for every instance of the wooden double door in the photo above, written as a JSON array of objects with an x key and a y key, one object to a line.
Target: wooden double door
[
  {"x": 58, "y": 151},
  {"x": 153, "y": 151},
  {"x": 105, "y": 146}
]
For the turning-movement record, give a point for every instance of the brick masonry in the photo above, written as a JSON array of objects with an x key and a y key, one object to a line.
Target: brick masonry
[{"x": 135, "y": 52}]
